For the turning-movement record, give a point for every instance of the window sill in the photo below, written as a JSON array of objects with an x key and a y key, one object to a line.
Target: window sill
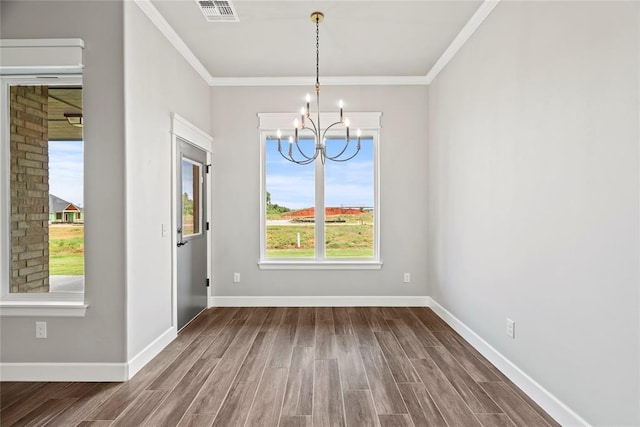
[
  {"x": 43, "y": 309},
  {"x": 319, "y": 265}
]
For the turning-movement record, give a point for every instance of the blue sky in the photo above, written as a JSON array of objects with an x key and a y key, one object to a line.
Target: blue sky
[
  {"x": 66, "y": 170},
  {"x": 346, "y": 184}
]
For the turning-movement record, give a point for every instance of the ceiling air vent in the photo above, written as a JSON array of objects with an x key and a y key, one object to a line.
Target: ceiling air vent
[{"x": 218, "y": 10}]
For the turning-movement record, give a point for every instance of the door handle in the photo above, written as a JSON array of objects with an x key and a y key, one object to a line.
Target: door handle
[{"x": 182, "y": 242}]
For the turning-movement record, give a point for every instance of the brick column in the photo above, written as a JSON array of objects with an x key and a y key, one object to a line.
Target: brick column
[{"x": 29, "y": 142}]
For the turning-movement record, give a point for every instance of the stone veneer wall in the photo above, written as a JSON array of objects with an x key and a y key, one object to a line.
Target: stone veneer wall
[{"x": 29, "y": 189}]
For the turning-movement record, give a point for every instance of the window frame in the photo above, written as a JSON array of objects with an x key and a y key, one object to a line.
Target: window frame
[
  {"x": 66, "y": 304},
  {"x": 369, "y": 123}
]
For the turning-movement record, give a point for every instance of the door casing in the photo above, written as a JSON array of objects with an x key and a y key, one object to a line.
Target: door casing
[{"x": 183, "y": 129}]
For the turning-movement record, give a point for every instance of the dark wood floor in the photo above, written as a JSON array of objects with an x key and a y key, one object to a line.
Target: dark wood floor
[{"x": 370, "y": 366}]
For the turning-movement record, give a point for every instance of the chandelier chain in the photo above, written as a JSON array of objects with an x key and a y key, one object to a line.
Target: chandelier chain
[{"x": 317, "y": 53}]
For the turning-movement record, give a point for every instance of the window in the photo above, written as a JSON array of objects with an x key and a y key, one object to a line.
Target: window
[
  {"x": 42, "y": 161},
  {"x": 192, "y": 177},
  {"x": 320, "y": 215}
]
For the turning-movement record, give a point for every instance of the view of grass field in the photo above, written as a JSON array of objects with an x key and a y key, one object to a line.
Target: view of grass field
[
  {"x": 66, "y": 179},
  {"x": 350, "y": 236},
  {"x": 346, "y": 192},
  {"x": 66, "y": 250}
]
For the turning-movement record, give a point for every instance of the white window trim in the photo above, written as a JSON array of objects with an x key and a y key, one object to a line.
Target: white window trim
[
  {"x": 367, "y": 122},
  {"x": 41, "y": 56},
  {"x": 64, "y": 304}
]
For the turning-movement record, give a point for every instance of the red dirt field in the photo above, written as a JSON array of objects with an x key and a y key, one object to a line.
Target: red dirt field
[{"x": 327, "y": 211}]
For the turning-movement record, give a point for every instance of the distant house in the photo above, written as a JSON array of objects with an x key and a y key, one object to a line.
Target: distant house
[{"x": 61, "y": 211}]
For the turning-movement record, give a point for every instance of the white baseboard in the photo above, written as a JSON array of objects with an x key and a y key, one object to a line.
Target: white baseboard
[
  {"x": 149, "y": 352},
  {"x": 104, "y": 372},
  {"x": 551, "y": 404},
  {"x": 68, "y": 372},
  {"x": 86, "y": 372},
  {"x": 319, "y": 301}
]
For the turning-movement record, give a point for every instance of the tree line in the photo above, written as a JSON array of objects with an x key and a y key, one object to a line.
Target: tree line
[{"x": 274, "y": 208}]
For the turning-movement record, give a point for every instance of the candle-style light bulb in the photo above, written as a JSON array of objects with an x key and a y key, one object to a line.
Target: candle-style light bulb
[
  {"x": 295, "y": 128},
  {"x": 308, "y": 99},
  {"x": 340, "y": 104},
  {"x": 346, "y": 123},
  {"x": 359, "y": 133},
  {"x": 290, "y": 146},
  {"x": 302, "y": 117},
  {"x": 279, "y": 135}
]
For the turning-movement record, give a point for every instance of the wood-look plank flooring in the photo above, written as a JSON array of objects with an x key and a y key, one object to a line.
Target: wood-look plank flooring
[{"x": 341, "y": 366}]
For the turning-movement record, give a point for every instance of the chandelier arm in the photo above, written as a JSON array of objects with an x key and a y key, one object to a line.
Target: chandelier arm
[
  {"x": 330, "y": 126},
  {"x": 292, "y": 160},
  {"x": 334, "y": 159},
  {"x": 346, "y": 145},
  {"x": 315, "y": 128},
  {"x": 303, "y": 162},
  {"x": 312, "y": 158}
]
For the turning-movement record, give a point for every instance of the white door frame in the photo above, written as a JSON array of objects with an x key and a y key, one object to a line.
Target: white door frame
[{"x": 183, "y": 129}]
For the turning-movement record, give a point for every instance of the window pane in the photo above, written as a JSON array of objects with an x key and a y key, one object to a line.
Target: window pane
[
  {"x": 290, "y": 198},
  {"x": 191, "y": 196},
  {"x": 349, "y": 203},
  {"x": 66, "y": 222},
  {"x": 46, "y": 182}
]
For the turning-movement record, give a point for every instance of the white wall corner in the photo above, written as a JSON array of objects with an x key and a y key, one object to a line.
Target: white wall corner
[
  {"x": 167, "y": 30},
  {"x": 138, "y": 361},
  {"x": 547, "y": 401},
  {"x": 463, "y": 36},
  {"x": 86, "y": 372}
]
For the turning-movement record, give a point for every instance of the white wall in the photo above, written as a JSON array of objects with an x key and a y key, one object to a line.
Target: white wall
[
  {"x": 100, "y": 336},
  {"x": 533, "y": 195},
  {"x": 236, "y": 198},
  {"x": 158, "y": 81}
]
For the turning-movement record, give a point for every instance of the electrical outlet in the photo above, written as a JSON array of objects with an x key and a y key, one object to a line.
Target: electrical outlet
[
  {"x": 407, "y": 277},
  {"x": 511, "y": 328},
  {"x": 236, "y": 277},
  {"x": 41, "y": 329}
]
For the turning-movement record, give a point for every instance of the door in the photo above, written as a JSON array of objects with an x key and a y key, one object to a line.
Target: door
[{"x": 191, "y": 232}]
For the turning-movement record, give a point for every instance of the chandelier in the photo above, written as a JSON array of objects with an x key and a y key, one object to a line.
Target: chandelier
[{"x": 298, "y": 154}]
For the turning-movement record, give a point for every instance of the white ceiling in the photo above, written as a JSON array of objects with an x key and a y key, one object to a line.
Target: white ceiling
[{"x": 357, "y": 38}]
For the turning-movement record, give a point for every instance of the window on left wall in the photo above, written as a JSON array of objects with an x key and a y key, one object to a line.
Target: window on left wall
[{"x": 43, "y": 170}]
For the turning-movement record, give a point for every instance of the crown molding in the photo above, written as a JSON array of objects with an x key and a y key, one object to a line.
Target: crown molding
[
  {"x": 463, "y": 36},
  {"x": 167, "y": 30},
  {"x": 326, "y": 81}
]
